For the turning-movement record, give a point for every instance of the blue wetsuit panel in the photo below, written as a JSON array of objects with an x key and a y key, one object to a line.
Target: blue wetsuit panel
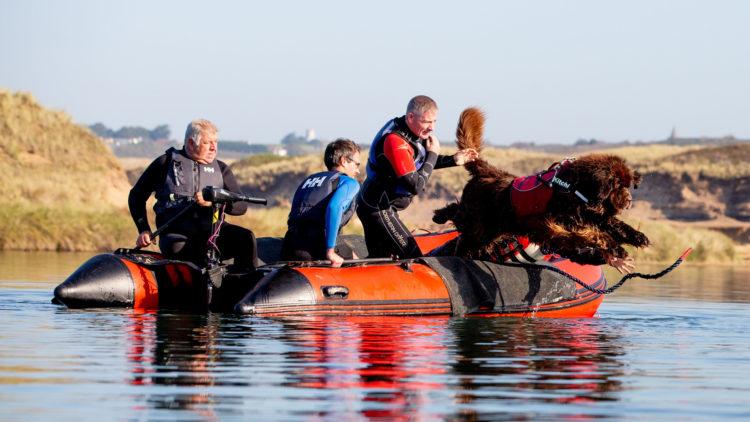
[{"x": 340, "y": 201}]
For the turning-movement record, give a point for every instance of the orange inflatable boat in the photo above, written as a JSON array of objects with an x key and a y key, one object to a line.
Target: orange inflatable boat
[{"x": 423, "y": 286}]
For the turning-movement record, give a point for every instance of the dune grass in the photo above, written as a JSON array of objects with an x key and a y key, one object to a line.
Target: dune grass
[
  {"x": 722, "y": 162},
  {"x": 669, "y": 241},
  {"x": 62, "y": 187},
  {"x": 64, "y": 229}
]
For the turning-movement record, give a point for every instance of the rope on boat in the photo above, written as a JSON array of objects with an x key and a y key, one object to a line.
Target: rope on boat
[
  {"x": 149, "y": 259},
  {"x": 626, "y": 277},
  {"x": 327, "y": 263}
]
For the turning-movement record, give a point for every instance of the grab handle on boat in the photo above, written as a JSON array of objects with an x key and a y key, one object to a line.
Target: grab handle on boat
[{"x": 335, "y": 292}]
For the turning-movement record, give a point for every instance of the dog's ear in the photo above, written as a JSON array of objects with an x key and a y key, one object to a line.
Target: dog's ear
[
  {"x": 626, "y": 175},
  {"x": 620, "y": 199}
]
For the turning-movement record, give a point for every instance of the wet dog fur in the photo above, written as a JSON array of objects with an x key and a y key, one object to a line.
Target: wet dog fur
[{"x": 586, "y": 233}]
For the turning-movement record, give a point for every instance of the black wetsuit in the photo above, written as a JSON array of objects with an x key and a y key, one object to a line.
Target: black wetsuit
[
  {"x": 186, "y": 238},
  {"x": 398, "y": 168}
]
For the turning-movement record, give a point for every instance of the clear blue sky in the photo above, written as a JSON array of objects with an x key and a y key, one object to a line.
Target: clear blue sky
[{"x": 547, "y": 71}]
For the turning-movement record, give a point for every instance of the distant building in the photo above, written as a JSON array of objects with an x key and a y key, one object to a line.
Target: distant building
[
  {"x": 280, "y": 151},
  {"x": 118, "y": 142},
  {"x": 309, "y": 134},
  {"x": 700, "y": 140}
]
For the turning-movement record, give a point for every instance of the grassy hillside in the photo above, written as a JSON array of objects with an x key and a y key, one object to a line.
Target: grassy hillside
[
  {"x": 63, "y": 189},
  {"x": 722, "y": 162}
]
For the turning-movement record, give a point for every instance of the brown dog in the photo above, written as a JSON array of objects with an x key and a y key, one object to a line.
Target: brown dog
[{"x": 571, "y": 209}]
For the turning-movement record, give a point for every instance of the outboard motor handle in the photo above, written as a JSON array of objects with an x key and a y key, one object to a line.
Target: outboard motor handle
[{"x": 219, "y": 195}]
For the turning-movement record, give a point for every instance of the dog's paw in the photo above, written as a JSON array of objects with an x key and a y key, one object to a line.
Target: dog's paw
[
  {"x": 640, "y": 240},
  {"x": 439, "y": 218},
  {"x": 443, "y": 215}
]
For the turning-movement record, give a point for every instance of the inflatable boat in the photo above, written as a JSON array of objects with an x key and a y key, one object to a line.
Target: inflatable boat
[
  {"x": 423, "y": 286},
  {"x": 431, "y": 285}
]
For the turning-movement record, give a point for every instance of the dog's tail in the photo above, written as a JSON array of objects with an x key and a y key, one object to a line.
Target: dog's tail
[
  {"x": 480, "y": 168},
  {"x": 470, "y": 129}
]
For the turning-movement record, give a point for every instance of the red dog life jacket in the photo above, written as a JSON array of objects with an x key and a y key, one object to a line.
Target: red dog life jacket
[{"x": 530, "y": 195}]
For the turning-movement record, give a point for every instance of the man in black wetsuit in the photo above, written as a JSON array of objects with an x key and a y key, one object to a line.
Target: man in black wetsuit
[
  {"x": 177, "y": 179},
  {"x": 402, "y": 157}
]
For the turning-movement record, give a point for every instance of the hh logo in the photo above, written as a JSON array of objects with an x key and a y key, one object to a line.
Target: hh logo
[
  {"x": 208, "y": 169},
  {"x": 314, "y": 182}
]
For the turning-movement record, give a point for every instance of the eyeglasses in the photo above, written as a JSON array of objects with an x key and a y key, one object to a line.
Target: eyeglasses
[{"x": 352, "y": 161}]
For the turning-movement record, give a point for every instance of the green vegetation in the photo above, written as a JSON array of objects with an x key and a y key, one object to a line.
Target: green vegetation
[
  {"x": 64, "y": 229},
  {"x": 63, "y": 188},
  {"x": 669, "y": 241},
  {"x": 723, "y": 162},
  {"x": 259, "y": 160},
  {"x": 130, "y": 132},
  {"x": 49, "y": 159}
]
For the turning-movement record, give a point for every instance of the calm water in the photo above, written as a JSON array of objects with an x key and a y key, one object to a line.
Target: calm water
[{"x": 673, "y": 349}]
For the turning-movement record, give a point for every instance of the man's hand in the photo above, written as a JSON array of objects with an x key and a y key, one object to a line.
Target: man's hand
[
  {"x": 336, "y": 259},
  {"x": 464, "y": 156},
  {"x": 144, "y": 239},
  {"x": 432, "y": 144},
  {"x": 199, "y": 199},
  {"x": 624, "y": 266}
]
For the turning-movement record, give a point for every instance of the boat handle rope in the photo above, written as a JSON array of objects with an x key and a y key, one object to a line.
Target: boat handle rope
[
  {"x": 327, "y": 263},
  {"x": 146, "y": 259},
  {"x": 617, "y": 285}
]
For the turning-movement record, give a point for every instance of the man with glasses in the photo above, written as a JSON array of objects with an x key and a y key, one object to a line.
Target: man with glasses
[
  {"x": 402, "y": 157},
  {"x": 322, "y": 205}
]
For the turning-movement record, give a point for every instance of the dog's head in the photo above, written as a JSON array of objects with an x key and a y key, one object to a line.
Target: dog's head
[{"x": 606, "y": 180}]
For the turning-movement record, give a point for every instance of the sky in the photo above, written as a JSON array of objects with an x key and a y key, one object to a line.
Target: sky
[{"x": 543, "y": 71}]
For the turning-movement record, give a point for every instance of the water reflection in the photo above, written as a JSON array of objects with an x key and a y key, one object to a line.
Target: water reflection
[
  {"x": 384, "y": 366},
  {"x": 373, "y": 367},
  {"x": 43, "y": 269},
  {"x": 392, "y": 366},
  {"x": 537, "y": 361},
  {"x": 180, "y": 350}
]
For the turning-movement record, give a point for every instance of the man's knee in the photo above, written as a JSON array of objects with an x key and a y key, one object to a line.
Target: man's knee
[
  {"x": 238, "y": 243},
  {"x": 172, "y": 244}
]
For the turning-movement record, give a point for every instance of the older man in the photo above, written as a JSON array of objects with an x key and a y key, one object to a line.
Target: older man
[
  {"x": 402, "y": 157},
  {"x": 177, "y": 178}
]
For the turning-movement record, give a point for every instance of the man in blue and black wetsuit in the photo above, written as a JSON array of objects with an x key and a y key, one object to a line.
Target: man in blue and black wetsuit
[
  {"x": 322, "y": 205},
  {"x": 402, "y": 157}
]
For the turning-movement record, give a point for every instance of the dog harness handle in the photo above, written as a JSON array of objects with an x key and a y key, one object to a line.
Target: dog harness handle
[{"x": 531, "y": 194}]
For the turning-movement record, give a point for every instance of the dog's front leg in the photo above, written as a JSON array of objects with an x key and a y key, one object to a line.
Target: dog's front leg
[
  {"x": 583, "y": 246},
  {"x": 624, "y": 233}
]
